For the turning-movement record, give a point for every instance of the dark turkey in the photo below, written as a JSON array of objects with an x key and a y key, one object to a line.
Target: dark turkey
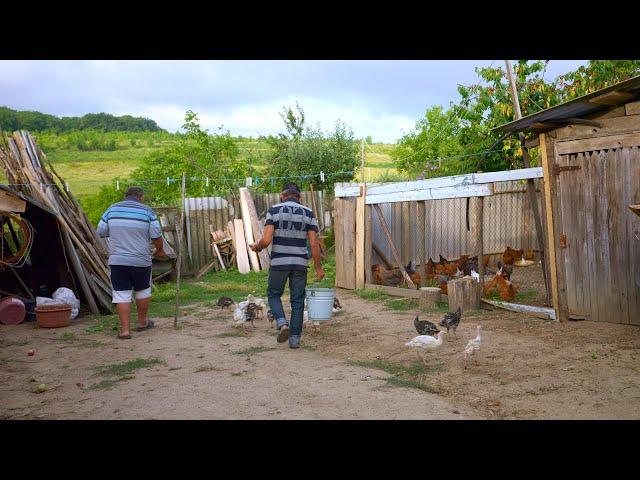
[
  {"x": 425, "y": 327},
  {"x": 336, "y": 303},
  {"x": 451, "y": 320},
  {"x": 225, "y": 302},
  {"x": 507, "y": 270}
]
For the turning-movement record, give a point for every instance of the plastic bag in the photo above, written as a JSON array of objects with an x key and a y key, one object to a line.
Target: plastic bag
[{"x": 64, "y": 295}]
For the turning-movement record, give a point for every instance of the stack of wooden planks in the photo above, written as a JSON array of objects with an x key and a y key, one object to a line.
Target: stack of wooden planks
[
  {"x": 29, "y": 171},
  {"x": 249, "y": 230}
]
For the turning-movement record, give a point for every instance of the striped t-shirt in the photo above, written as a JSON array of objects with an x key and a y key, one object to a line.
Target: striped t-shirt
[
  {"x": 291, "y": 222},
  {"x": 130, "y": 226}
]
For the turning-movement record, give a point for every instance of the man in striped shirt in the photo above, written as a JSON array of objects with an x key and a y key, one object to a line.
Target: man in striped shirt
[
  {"x": 131, "y": 226},
  {"x": 288, "y": 225}
]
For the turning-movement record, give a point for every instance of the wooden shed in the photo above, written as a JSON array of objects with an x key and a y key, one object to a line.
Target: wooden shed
[{"x": 590, "y": 154}]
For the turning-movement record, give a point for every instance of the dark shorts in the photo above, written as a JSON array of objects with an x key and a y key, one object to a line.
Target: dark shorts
[{"x": 124, "y": 277}]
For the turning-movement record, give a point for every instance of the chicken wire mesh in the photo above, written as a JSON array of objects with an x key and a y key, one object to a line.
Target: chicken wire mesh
[{"x": 438, "y": 240}]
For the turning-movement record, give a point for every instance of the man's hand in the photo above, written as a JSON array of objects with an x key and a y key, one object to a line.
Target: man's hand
[
  {"x": 319, "y": 274},
  {"x": 160, "y": 253},
  {"x": 254, "y": 247}
]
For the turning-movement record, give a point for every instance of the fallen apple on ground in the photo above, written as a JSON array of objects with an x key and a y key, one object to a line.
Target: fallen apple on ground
[{"x": 31, "y": 353}]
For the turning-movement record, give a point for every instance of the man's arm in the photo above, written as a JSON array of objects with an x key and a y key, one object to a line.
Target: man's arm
[
  {"x": 155, "y": 232},
  {"x": 265, "y": 241},
  {"x": 312, "y": 235},
  {"x": 103, "y": 225}
]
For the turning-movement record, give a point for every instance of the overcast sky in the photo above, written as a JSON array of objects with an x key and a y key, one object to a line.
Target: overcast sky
[{"x": 378, "y": 98}]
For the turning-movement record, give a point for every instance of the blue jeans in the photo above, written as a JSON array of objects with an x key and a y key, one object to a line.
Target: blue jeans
[{"x": 275, "y": 289}]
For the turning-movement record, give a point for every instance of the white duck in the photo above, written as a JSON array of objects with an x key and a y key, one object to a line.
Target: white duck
[
  {"x": 425, "y": 342},
  {"x": 472, "y": 348}
]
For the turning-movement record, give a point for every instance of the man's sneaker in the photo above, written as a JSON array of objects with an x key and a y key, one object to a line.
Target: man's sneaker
[
  {"x": 294, "y": 341},
  {"x": 283, "y": 334}
]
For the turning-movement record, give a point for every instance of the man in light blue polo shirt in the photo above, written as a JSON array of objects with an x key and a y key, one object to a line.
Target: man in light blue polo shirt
[{"x": 131, "y": 227}]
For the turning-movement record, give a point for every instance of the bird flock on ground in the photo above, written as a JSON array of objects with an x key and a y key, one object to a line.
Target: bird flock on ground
[
  {"x": 431, "y": 337},
  {"x": 247, "y": 311}
]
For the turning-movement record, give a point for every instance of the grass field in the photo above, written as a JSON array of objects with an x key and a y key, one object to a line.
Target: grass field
[{"x": 87, "y": 170}]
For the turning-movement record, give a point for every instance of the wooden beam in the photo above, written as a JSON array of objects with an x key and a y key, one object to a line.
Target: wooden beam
[
  {"x": 247, "y": 204},
  {"x": 11, "y": 203},
  {"x": 421, "y": 253},
  {"x": 395, "y": 291},
  {"x": 632, "y": 108},
  {"x": 540, "y": 312},
  {"x": 242, "y": 257},
  {"x": 381, "y": 254},
  {"x": 432, "y": 194},
  {"x": 598, "y": 143},
  {"x": 611, "y": 98},
  {"x": 352, "y": 189},
  {"x": 360, "y": 239},
  {"x": 248, "y": 229},
  {"x": 394, "y": 251},
  {"x": 549, "y": 207}
]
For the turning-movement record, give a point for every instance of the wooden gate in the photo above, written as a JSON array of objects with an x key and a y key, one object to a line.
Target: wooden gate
[{"x": 599, "y": 243}]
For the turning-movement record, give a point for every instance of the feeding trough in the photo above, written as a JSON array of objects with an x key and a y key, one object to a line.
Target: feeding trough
[{"x": 320, "y": 303}]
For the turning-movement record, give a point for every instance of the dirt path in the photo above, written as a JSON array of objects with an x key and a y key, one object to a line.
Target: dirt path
[
  {"x": 355, "y": 367},
  {"x": 201, "y": 377}
]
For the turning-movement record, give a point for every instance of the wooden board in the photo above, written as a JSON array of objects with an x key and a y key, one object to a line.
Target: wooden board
[
  {"x": 632, "y": 108},
  {"x": 540, "y": 312},
  {"x": 11, "y": 203},
  {"x": 242, "y": 258},
  {"x": 248, "y": 232},
  {"x": 352, "y": 189},
  {"x": 598, "y": 143},
  {"x": 345, "y": 233},
  {"x": 246, "y": 204},
  {"x": 397, "y": 292},
  {"x": 431, "y": 194},
  {"x": 368, "y": 244}
]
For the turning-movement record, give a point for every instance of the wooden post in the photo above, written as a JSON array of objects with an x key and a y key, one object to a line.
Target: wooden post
[
  {"x": 360, "y": 239},
  {"x": 549, "y": 206},
  {"x": 179, "y": 235},
  {"x": 464, "y": 293},
  {"x": 394, "y": 251},
  {"x": 430, "y": 297},
  {"x": 368, "y": 243},
  {"x": 480, "y": 246}
]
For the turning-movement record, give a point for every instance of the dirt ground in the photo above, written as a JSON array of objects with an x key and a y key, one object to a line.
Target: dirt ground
[{"x": 354, "y": 367}]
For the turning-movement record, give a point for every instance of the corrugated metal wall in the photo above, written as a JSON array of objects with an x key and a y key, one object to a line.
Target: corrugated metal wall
[{"x": 508, "y": 221}]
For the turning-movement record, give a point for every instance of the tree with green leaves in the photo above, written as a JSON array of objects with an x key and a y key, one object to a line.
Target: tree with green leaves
[
  {"x": 303, "y": 152},
  {"x": 488, "y": 104}
]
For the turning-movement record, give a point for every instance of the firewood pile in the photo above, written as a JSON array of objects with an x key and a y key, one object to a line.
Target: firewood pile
[{"x": 30, "y": 172}]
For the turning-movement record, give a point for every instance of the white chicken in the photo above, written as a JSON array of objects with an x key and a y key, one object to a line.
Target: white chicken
[
  {"x": 239, "y": 317},
  {"x": 425, "y": 342},
  {"x": 475, "y": 275},
  {"x": 472, "y": 348}
]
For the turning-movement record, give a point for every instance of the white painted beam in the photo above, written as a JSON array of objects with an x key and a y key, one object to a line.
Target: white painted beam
[{"x": 432, "y": 194}]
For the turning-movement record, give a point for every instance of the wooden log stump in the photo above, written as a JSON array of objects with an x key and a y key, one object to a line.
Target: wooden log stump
[
  {"x": 429, "y": 297},
  {"x": 463, "y": 293}
]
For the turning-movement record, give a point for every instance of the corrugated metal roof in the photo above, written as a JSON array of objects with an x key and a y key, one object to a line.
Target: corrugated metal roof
[{"x": 595, "y": 102}]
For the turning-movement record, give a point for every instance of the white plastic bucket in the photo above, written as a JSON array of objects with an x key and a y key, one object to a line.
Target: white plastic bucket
[{"x": 320, "y": 303}]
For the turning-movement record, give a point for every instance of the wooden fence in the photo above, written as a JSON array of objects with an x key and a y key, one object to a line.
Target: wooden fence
[{"x": 204, "y": 213}]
